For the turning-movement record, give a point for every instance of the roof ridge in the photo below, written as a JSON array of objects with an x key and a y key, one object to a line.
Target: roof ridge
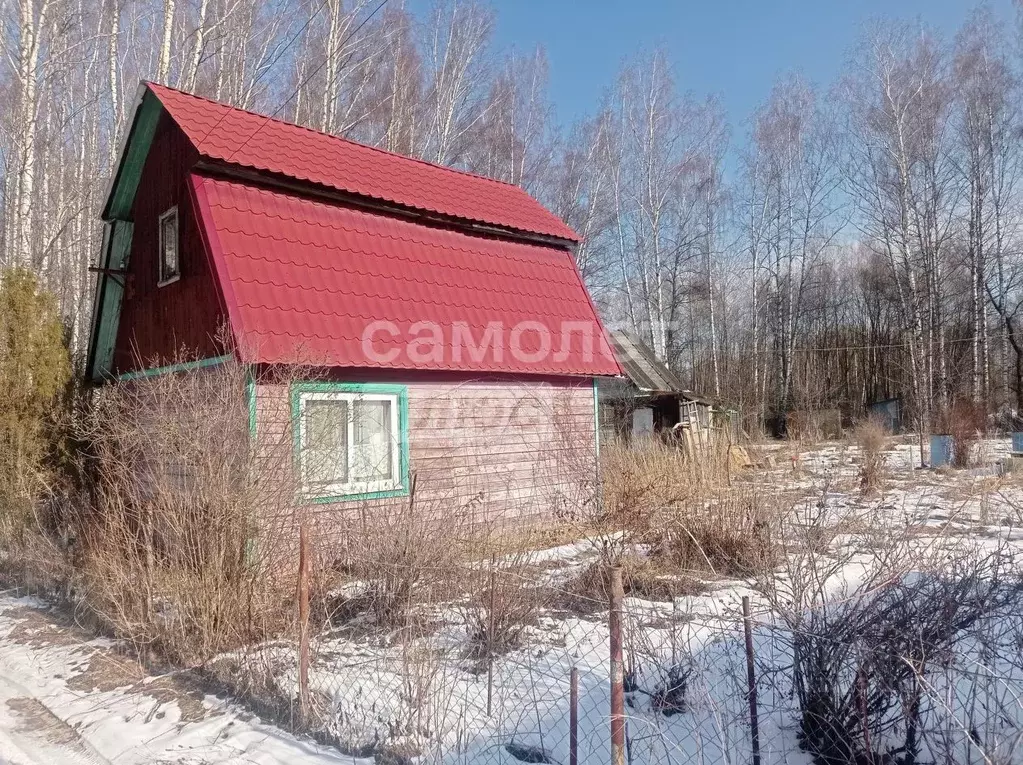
[{"x": 269, "y": 118}]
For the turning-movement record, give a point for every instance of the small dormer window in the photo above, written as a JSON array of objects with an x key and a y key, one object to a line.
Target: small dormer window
[{"x": 170, "y": 265}]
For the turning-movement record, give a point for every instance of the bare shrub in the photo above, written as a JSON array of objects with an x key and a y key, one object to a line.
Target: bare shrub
[
  {"x": 187, "y": 550},
  {"x": 402, "y": 558},
  {"x": 503, "y": 602},
  {"x": 863, "y": 663},
  {"x": 966, "y": 422},
  {"x": 863, "y": 651},
  {"x": 730, "y": 534},
  {"x": 872, "y": 439}
]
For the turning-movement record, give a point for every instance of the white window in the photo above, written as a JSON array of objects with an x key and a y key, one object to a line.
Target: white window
[
  {"x": 170, "y": 265},
  {"x": 349, "y": 442}
]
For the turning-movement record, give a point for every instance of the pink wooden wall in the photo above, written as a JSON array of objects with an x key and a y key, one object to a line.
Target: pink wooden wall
[{"x": 484, "y": 450}]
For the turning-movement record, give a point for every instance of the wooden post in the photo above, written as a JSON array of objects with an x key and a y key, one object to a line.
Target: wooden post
[
  {"x": 617, "y": 669},
  {"x": 490, "y": 637},
  {"x": 751, "y": 679},
  {"x": 303, "y": 623},
  {"x": 573, "y": 718}
]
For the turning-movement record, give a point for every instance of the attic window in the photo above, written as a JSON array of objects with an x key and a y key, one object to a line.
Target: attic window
[{"x": 170, "y": 264}]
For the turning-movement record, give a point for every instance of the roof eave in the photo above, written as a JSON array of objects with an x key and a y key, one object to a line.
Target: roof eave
[{"x": 122, "y": 151}]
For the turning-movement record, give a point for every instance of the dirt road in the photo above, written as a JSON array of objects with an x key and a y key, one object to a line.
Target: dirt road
[{"x": 68, "y": 699}]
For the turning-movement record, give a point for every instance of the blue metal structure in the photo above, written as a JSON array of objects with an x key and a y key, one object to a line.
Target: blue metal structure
[
  {"x": 888, "y": 413},
  {"x": 1017, "y": 443},
  {"x": 942, "y": 451}
]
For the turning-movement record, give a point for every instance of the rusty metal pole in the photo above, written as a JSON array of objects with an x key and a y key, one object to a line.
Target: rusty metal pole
[
  {"x": 617, "y": 670},
  {"x": 303, "y": 623},
  {"x": 490, "y": 636},
  {"x": 573, "y": 718},
  {"x": 751, "y": 679}
]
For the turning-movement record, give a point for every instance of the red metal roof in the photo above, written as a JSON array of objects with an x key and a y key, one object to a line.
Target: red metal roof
[
  {"x": 303, "y": 280},
  {"x": 224, "y": 133}
]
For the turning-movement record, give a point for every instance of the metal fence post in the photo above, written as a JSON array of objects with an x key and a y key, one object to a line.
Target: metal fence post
[
  {"x": 490, "y": 636},
  {"x": 617, "y": 669},
  {"x": 573, "y": 718},
  {"x": 751, "y": 679},
  {"x": 303, "y": 623}
]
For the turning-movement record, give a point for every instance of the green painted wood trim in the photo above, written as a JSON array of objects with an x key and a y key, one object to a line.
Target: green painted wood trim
[
  {"x": 170, "y": 368},
  {"x": 250, "y": 397},
  {"x": 400, "y": 391},
  {"x": 111, "y": 295},
  {"x": 117, "y": 239},
  {"x": 91, "y": 370},
  {"x": 133, "y": 159}
]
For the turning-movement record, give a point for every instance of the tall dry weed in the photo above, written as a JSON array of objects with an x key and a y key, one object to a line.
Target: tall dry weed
[
  {"x": 728, "y": 533},
  {"x": 872, "y": 439},
  {"x": 689, "y": 510},
  {"x": 966, "y": 422},
  {"x": 187, "y": 548}
]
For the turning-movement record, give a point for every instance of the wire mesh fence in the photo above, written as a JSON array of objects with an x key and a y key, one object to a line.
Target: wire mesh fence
[
  {"x": 918, "y": 669},
  {"x": 880, "y": 630}
]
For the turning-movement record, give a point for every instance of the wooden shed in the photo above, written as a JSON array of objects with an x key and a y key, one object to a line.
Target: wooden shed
[
  {"x": 651, "y": 400},
  {"x": 443, "y": 329}
]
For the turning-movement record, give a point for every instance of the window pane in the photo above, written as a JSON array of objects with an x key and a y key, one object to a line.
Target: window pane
[
  {"x": 372, "y": 451},
  {"x": 325, "y": 453},
  {"x": 169, "y": 244}
]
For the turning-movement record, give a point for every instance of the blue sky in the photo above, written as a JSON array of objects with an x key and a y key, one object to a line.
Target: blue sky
[{"x": 732, "y": 48}]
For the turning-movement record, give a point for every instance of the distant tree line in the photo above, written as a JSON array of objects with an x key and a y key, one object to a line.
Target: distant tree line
[{"x": 847, "y": 243}]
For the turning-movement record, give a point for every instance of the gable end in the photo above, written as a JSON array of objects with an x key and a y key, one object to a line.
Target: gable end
[{"x": 117, "y": 237}]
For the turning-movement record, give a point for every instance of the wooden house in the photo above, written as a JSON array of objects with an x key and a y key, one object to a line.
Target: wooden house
[{"x": 443, "y": 329}]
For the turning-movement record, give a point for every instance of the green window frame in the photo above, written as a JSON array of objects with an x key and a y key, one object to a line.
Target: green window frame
[{"x": 347, "y": 396}]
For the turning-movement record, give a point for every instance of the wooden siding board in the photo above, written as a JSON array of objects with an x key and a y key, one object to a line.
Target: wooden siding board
[
  {"x": 525, "y": 467},
  {"x": 159, "y": 325}
]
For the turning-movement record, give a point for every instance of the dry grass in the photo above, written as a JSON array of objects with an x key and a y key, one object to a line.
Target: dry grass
[
  {"x": 639, "y": 482},
  {"x": 646, "y": 577},
  {"x": 693, "y": 514},
  {"x": 872, "y": 438},
  {"x": 186, "y": 550},
  {"x": 727, "y": 534},
  {"x": 966, "y": 422},
  {"x": 642, "y": 481}
]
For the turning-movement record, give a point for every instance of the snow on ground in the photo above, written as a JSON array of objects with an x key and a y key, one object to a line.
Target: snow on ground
[
  {"x": 66, "y": 700},
  {"x": 369, "y": 697},
  {"x": 58, "y": 705}
]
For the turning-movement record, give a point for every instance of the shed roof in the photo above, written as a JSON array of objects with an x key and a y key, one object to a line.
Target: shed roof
[
  {"x": 227, "y": 134},
  {"x": 648, "y": 373}
]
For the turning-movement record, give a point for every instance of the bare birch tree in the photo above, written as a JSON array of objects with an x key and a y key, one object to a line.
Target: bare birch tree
[{"x": 990, "y": 164}]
